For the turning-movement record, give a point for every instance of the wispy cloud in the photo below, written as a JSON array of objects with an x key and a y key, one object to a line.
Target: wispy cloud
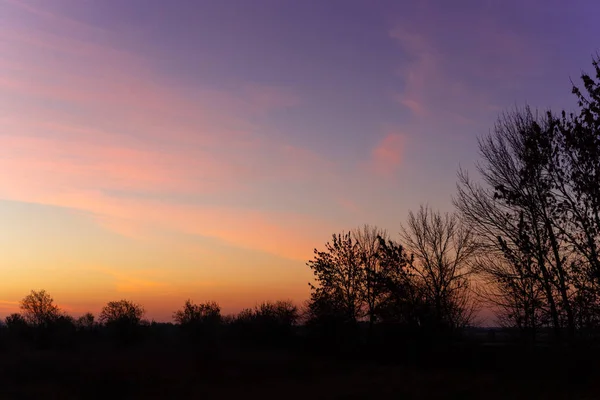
[
  {"x": 449, "y": 77},
  {"x": 8, "y": 306},
  {"x": 387, "y": 154},
  {"x": 93, "y": 120}
]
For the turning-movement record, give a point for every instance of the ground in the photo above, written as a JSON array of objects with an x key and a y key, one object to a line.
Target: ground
[{"x": 168, "y": 373}]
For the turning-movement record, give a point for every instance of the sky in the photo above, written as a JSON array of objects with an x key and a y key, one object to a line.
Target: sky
[{"x": 162, "y": 150}]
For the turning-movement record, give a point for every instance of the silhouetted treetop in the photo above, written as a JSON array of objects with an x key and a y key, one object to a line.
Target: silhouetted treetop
[
  {"x": 122, "y": 311},
  {"x": 204, "y": 313},
  {"x": 38, "y": 308}
]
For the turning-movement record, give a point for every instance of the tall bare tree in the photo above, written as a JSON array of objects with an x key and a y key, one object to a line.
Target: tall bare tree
[
  {"x": 368, "y": 242},
  {"x": 517, "y": 213},
  {"x": 442, "y": 247},
  {"x": 575, "y": 171}
]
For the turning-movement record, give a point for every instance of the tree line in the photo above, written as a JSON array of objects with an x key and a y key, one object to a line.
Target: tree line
[
  {"x": 523, "y": 242},
  {"x": 41, "y": 322}
]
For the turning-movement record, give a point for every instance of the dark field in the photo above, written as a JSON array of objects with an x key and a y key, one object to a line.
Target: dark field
[{"x": 175, "y": 371}]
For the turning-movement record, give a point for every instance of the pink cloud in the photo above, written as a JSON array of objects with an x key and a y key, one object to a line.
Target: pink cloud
[
  {"x": 349, "y": 205},
  {"x": 53, "y": 163},
  {"x": 387, "y": 155},
  {"x": 414, "y": 105}
]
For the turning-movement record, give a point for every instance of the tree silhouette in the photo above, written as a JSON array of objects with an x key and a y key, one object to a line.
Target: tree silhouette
[
  {"x": 442, "y": 247},
  {"x": 368, "y": 241},
  {"x": 38, "y": 308},
  {"x": 199, "y": 319},
  {"x": 538, "y": 211},
  {"x": 86, "y": 322},
  {"x": 282, "y": 315},
  {"x": 340, "y": 277},
  {"x": 121, "y": 312},
  {"x": 17, "y": 325},
  {"x": 575, "y": 171},
  {"x": 402, "y": 300},
  {"x": 123, "y": 319},
  {"x": 513, "y": 216}
]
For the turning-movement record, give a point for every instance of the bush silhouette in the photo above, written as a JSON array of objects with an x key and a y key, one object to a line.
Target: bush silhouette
[
  {"x": 86, "y": 322},
  {"x": 17, "y": 326},
  {"x": 199, "y": 321},
  {"x": 122, "y": 319},
  {"x": 268, "y": 322}
]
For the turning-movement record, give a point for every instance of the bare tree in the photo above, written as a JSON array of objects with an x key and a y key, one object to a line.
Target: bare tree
[
  {"x": 368, "y": 243},
  {"x": 517, "y": 213},
  {"x": 38, "y": 308},
  {"x": 122, "y": 312},
  {"x": 574, "y": 169},
  {"x": 442, "y": 247}
]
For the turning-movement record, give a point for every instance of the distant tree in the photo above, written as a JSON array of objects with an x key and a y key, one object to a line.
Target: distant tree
[
  {"x": 38, "y": 308},
  {"x": 86, "y": 322},
  {"x": 442, "y": 247},
  {"x": 15, "y": 319},
  {"x": 121, "y": 312},
  {"x": 245, "y": 316},
  {"x": 282, "y": 314},
  {"x": 200, "y": 320},
  {"x": 267, "y": 322},
  {"x": 194, "y": 314},
  {"x": 16, "y": 324},
  {"x": 123, "y": 319}
]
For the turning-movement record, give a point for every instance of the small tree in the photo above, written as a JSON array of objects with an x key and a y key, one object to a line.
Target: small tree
[
  {"x": 39, "y": 309},
  {"x": 280, "y": 316},
  {"x": 195, "y": 314},
  {"x": 86, "y": 322},
  {"x": 202, "y": 320},
  {"x": 268, "y": 322},
  {"x": 122, "y": 312}
]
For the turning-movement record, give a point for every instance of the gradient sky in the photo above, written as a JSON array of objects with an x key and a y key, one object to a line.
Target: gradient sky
[{"x": 158, "y": 150}]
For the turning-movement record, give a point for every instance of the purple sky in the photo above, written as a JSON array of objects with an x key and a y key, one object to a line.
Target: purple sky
[{"x": 251, "y": 130}]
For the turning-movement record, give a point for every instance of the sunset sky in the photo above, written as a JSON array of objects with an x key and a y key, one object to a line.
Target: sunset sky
[{"x": 161, "y": 150}]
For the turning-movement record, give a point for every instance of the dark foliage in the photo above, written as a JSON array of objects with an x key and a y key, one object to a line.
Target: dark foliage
[
  {"x": 267, "y": 323},
  {"x": 123, "y": 320}
]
